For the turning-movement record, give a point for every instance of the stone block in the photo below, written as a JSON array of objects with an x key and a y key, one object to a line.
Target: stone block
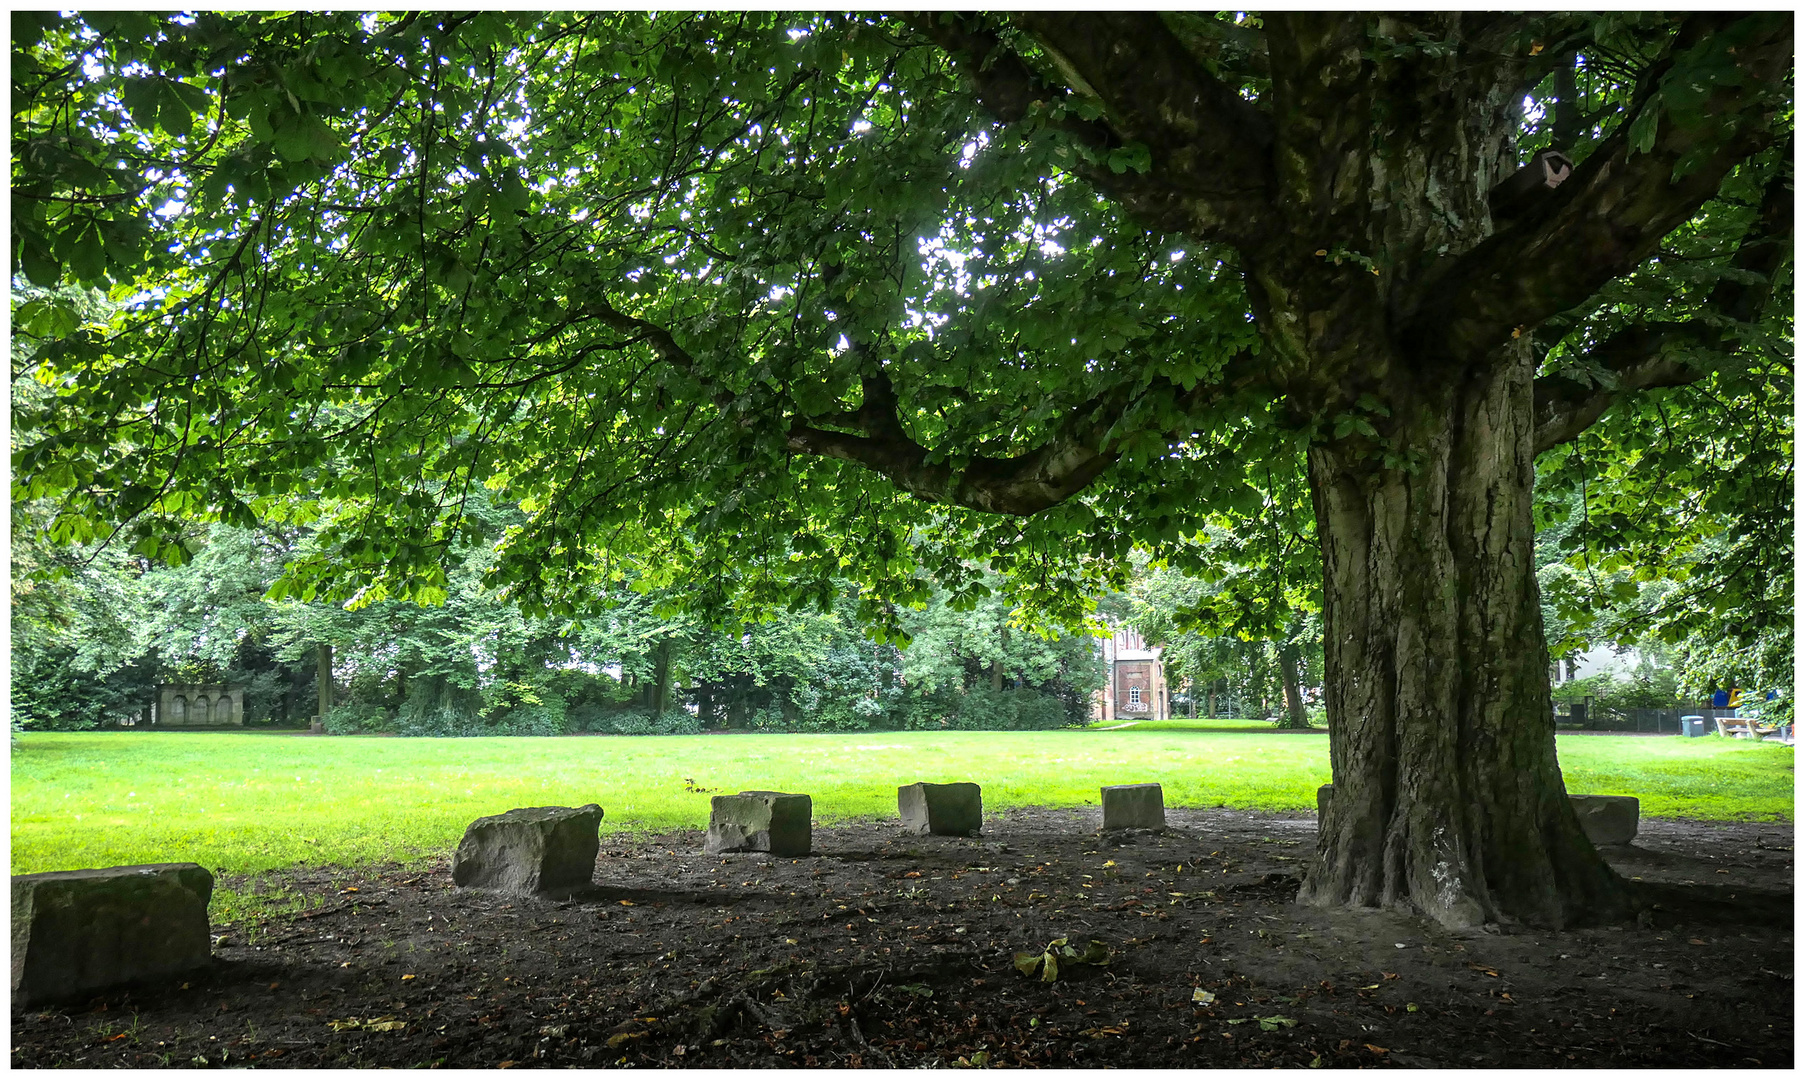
[
  {"x": 773, "y": 821},
  {"x": 1134, "y": 806},
  {"x": 535, "y": 849},
  {"x": 77, "y": 932},
  {"x": 1323, "y": 795},
  {"x": 1608, "y": 819},
  {"x": 941, "y": 809}
]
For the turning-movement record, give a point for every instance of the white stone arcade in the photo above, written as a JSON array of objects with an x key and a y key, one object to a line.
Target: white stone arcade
[{"x": 200, "y": 705}]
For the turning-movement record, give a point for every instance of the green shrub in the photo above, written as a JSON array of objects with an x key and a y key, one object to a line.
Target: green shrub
[
  {"x": 641, "y": 722},
  {"x": 357, "y": 718},
  {"x": 435, "y": 706},
  {"x": 544, "y": 717},
  {"x": 984, "y": 709}
]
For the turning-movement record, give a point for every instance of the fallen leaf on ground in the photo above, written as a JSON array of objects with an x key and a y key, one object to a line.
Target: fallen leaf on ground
[
  {"x": 1203, "y": 997},
  {"x": 381, "y": 1023}
]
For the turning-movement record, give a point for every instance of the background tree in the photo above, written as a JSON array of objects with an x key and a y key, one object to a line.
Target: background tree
[
  {"x": 79, "y": 651},
  {"x": 1213, "y": 637},
  {"x": 759, "y": 301}
]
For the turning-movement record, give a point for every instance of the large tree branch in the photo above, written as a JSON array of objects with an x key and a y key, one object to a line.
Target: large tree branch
[
  {"x": 1076, "y": 454},
  {"x": 1638, "y": 358},
  {"x": 1646, "y": 356},
  {"x": 1080, "y": 451},
  {"x": 1210, "y": 174},
  {"x": 1204, "y": 137},
  {"x": 1612, "y": 212}
]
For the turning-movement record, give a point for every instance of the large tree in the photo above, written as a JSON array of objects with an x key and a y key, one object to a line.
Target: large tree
[{"x": 751, "y": 301}]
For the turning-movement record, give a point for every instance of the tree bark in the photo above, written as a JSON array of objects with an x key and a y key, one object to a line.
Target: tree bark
[
  {"x": 704, "y": 703},
  {"x": 1289, "y": 659},
  {"x": 660, "y": 686},
  {"x": 1447, "y": 796},
  {"x": 324, "y": 679}
]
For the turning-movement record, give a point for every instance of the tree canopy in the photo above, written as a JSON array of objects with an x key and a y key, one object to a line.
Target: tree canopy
[{"x": 652, "y": 274}]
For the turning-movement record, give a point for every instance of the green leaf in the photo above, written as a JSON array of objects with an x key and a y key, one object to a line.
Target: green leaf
[
  {"x": 1642, "y": 128},
  {"x": 141, "y": 97},
  {"x": 84, "y": 252}
]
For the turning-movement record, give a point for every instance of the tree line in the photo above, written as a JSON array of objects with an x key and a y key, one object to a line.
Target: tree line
[{"x": 95, "y": 632}]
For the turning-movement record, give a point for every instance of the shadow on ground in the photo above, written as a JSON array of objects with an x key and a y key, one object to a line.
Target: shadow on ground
[{"x": 884, "y": 949}]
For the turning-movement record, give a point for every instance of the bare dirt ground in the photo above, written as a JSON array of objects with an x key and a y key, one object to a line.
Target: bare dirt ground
[{"x": 889, "y": 950}]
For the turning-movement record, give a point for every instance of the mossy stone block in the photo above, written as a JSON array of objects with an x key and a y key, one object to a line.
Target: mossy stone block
[
  {"x": 941, "y": 809},
  {"x": 535, "y": 849},
  {"x": 1608, "y": 819},
  {"x": 77, "y": 932},
  {"x": 1134, "y": 806},
  {"x": 778, "y": 822}
]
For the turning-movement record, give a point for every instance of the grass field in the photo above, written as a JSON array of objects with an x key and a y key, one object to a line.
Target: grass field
[{"x": 249, "y": 802}]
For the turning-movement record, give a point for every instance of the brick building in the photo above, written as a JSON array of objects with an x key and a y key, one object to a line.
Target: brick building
[{"x": 1136, "y": 687}]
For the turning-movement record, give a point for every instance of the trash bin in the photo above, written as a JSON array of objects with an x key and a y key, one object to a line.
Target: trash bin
[{"x": 1692, "y": 726}]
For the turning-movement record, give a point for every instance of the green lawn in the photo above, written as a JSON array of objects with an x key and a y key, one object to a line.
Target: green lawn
[{"x": 249, "y": 802}]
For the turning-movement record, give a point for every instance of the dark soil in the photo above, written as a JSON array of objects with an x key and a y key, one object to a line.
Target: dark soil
[{"x": 890, "y": 950}]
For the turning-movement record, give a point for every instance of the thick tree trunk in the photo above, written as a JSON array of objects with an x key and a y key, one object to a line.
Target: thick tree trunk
[
  {"x": 1447, "y": 795},
  {"x": 324, "y": 679},
  {"x": 660, "y": 686},
  {"x": 1289, "y": 660}
]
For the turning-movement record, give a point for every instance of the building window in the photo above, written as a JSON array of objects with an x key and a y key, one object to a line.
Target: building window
[{"x": 1134, "y": 695}]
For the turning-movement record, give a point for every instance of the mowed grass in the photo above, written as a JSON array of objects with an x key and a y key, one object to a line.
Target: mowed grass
[{"x": 245, "y": 803}]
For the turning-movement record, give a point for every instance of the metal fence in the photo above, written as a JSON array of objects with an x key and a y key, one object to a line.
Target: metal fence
[{"x": 1647, "y": 720}]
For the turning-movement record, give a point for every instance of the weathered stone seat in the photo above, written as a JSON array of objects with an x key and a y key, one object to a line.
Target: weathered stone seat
[
  {"x": 773, "y": 821},
  {"x": 1608, "y": 819},
  {"x": 1134, "y": 806},
  {"x": 941, "y": 809},
  {"x": 76, "y": 932},
  {"x": 535, "y": 849}
]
